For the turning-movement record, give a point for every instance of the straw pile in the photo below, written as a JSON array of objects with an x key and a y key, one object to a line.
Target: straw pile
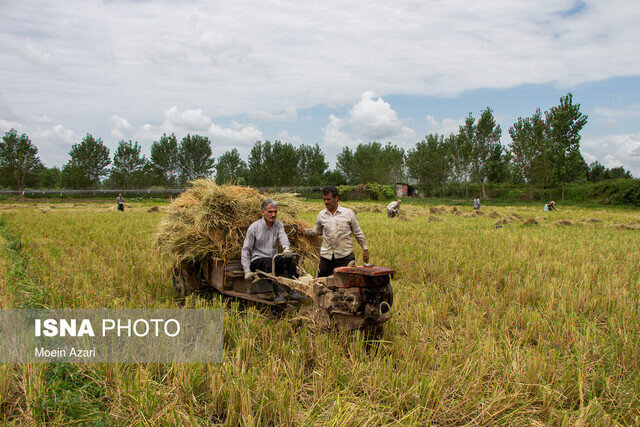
[{"x": 209, "y": 220}]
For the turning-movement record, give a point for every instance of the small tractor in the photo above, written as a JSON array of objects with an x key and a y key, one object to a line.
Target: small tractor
[{"x": 354, "y": 296}]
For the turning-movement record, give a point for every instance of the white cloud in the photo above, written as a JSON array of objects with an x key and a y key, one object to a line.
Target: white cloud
[
  {"x": 614, "y": 150},
  {"x": 6, "y": 125},
  {"x": 120, "y": 126},
  {"x": 374, "y": 118},
  {"x": 120, "y": 123},
  {"x": 194, "y": 120},
  {"x": 444, "y": 127},
  {"x": 54, "y": 144},
  {"x": 613, "y": 113},
  {"x": 232, "y": 58},
  {"x": 285, "y": 136},
  {"x": 180, "y": 123},
  {"x": 268, "y": 60},
  {"x": 335, "y": 137},
  {"x": 371, "y": 120},
  {"x": 288, "y": 115}
]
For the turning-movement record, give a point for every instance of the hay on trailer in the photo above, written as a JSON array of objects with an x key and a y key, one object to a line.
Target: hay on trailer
[{"x": 210, "y": 221}]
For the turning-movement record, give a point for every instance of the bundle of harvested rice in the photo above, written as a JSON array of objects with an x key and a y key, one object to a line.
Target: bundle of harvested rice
[
  {"x": 563, "y": 222},
  {"x": 494, "y": 214},
  {"x": 210, "y": 221},
  {"x": 531, "y": 221}
]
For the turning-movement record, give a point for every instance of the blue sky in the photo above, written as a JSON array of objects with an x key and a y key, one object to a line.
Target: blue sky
[{"x": 330, "y": 73}]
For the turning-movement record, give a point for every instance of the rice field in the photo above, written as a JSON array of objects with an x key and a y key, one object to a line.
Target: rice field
[{"x": 497, "y": 319}]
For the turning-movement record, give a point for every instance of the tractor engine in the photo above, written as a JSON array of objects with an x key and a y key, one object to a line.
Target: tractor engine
[{"x": 356, "y": 296}]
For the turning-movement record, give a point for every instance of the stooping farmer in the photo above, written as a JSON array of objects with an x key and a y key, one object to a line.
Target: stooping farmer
[
  {"x": 120, "y": 202},
  {"x": 551, "y": 206},
  {"x": 476, "y": 203},
  {"x": 393, "y": 208}
]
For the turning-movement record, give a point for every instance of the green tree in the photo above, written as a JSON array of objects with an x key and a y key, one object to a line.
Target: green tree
[
  {"x": 344, "y": 165},
  {"x": 460, "y": 150},
  {"x": 19, "y": 161},
  {"x": 428, "y": 163},
  {"x": 88, "y": 164},
  {"x": 194, "y": 158},
  {"x": 371, "y": 163},
  {"x": 334, "y": 177},
  {"x": 231, "y": 169},
  {"x": 311, "y": 165},
  {"x": 565, "y": 121},
  {"x": 49, "y": 177},
  {"x": 616, "y": 173},
  {"x": 532, "y": 151},
  {"x": 128, "y": 165},
  {"x": 498, "y": 165},
  {"x": 164, "y": 160},
  {"x": 273, "y": 164},
  {"x": 596, "y": 172},
  {"x": 484, "y": 141}
]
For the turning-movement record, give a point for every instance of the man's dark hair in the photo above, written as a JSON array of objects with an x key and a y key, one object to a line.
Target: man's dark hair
[{"x": 330, "y": 190}]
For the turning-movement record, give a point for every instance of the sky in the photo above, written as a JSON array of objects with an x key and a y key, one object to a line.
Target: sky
[{"x": 333, "y": 73}]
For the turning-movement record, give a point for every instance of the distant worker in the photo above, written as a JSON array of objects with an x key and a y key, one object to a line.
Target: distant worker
[
  {"x": 261, "y": 245},
  {"x": 550, "y": 206},
  {"x": 393, "y": 208},
  {"x": 476, "y": 203},
  {"x": 337, "y": 224},
  {"x": 120, "y": 202}
]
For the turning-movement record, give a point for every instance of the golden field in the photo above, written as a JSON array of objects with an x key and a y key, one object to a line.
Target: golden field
[{"x": 521, "y": 324}]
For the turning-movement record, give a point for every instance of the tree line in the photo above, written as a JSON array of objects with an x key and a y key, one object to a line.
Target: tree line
[{"x": 544, "y": 153}]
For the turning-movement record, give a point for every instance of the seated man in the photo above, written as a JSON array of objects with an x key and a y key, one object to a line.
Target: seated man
[{"x": 261, "y": 244}]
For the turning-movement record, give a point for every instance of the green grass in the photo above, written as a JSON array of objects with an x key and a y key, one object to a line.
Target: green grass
[{"x": 512, "y": 325}]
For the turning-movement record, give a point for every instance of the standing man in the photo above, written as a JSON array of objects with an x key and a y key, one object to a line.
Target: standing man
[
  {"x": 336, "y": 224},
  {"x": 476, "y": 203},
  {"x": 393, "y": 208},
  {"x": 120, "y": 202}
]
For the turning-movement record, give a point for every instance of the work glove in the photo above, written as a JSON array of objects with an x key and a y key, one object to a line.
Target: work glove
[
  {"x": 249, "y": 276},
  {"x": 287, "y": 253}
]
